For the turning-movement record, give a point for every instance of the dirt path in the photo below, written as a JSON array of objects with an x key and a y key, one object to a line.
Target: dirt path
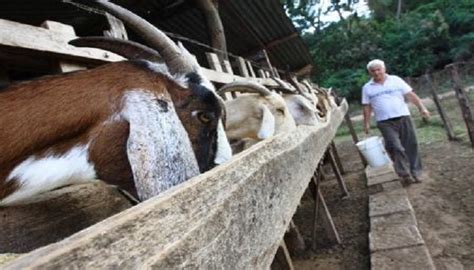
[{"x": 443, "y": 204}]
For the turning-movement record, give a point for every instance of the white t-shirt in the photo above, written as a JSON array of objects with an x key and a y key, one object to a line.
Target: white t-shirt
[{"x": 387, "y": 99}]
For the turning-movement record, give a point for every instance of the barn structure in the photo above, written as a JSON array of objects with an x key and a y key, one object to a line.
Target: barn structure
[{"x": 228, "y": 216}]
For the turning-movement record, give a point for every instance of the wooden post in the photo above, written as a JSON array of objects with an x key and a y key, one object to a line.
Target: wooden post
[
  {"x": 337, "y": 173},
  {"x": 242, "y": 67},
  {"x": 463, "y": 102},
  {"x": 348, "y": 121},
  {"x": 227, "y": 67},
  {"x": 283, "y": 258},
  {"x": 116, "y": 28},
  {"x": 250, "y": 69},
  {"x": 294, "y": 240},
  {"x": 66, "y": 31},
  {"x": 210, "y": 10},
  {"x": 442, "y": 113},
  {"x": 337, "y": 158},
  {"x": 214, "y": 62},
  {"x": 326, "y": 218}
]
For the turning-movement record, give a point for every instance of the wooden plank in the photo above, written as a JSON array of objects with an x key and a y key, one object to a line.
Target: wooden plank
[
  {"x": 276, "y": 73},
  {"x": 63, "y": 66},
  {"x": 25, "y": 39},
  {"x": 320, "y": 205},
  {"x": 294, "y": 240},
  {"x": 219, "y": 219},
  {"x": 463, "y": 102},
  {"x": 116, "y": 28},
  {"x": 213, "y": 61},
  {"x": 227, "y": 67},
  {"x": 283, "y": 258},
  {"x": 337, "y": 173},
  {"x": 250, "y": 69},
  {"x": 355, "y": 139},
  {"x": 262, "y": 74},
  {"x": 337, "y": 158},
  {"x": 13, "y": 34},
  {"x": 444, "y": 117},
  {"x": 241, "y": 64}
]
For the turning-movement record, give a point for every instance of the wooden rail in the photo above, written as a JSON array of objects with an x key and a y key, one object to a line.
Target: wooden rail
[{"x": 26, "y": 38}]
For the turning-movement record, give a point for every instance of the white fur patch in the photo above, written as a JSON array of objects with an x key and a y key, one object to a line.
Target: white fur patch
[
  {"x": 224, "y": 151},
  {"x": 40, "y": 175},
  {"x": 158, "y": 147}
]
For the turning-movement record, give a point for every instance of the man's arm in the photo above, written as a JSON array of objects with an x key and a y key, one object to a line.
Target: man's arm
[
  {"x": 367, "y": 109},
  {"x": 413, "y": 98}
]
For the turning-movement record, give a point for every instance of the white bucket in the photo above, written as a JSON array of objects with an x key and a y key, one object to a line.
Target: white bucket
[{"x": 374, "y": 152}]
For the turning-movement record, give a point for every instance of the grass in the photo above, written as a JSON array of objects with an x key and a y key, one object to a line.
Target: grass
[{"x": 427, "y": 133}]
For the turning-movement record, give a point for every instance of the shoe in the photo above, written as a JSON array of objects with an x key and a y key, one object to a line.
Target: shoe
[
  {"x": 406, "y": 180},
  {"x": 418, "y": 179}
]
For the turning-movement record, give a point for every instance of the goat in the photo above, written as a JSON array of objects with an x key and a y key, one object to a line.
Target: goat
[
  {"x": 256, "y": 115},
  {"x": 131, "y": 124},
  {"x": 301, "y": 105}
]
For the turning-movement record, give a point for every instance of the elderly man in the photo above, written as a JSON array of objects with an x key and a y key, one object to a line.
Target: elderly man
[{"x": 385, "y": 95}]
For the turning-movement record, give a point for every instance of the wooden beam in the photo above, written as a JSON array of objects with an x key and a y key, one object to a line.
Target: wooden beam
[
  {"x": 116, "y": 28},
  {"x": 213, "y": 61},
  {"x": 463, "y": 102},
  {"x": 294, "y": 240},
  {"x": 250, "y": 69},
  {"x": 241, "y": 64},
  {"x": 337, "y": 158},
  {"x": 337, "y": 173},
  {"x": 444, "y": 117},
  {"x": 283, "y": 258},
  {"x": 349, "y": 124},
  {"x": 24, "y": 39},
  {"x": 17, "y": 35},
  {"x": 210, "y": 10}
]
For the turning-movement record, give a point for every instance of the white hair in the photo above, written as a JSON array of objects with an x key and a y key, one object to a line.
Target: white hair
[{"x": 375, "y": 63}]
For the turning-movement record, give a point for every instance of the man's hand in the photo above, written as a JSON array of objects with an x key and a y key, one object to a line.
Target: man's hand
[{"x": 425, "y": 114}]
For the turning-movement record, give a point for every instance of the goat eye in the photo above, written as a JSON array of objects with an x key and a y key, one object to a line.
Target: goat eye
[
  {"x": 281, "y": 111},
  {"x": 204, "y": 117}
]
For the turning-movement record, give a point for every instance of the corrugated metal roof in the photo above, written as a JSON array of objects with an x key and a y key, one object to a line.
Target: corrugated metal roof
[{"x": 249, "y": 25}]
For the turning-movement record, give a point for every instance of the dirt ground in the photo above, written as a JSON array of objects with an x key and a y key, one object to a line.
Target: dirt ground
[{"x": 443, "y": 206}]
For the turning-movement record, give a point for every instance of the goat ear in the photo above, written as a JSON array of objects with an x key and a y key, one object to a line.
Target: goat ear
[
  {"x": 158, "y": 147},
  {"x": 267, "y": 126}
]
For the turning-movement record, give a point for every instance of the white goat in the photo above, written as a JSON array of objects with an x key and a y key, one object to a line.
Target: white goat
[{"x": 257, "y": 115}]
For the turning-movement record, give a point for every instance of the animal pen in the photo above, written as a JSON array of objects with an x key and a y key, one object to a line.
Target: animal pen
[{"x": 233, "y": 215}]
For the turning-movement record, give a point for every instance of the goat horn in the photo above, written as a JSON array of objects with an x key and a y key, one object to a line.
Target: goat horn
[
  {"x": 126, "y": 48},
  {"x": 245, "y": 87},
  {"x": 177, "y": 59}
]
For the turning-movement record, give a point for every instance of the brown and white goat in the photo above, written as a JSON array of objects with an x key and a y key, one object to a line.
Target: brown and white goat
[{"x": 131, "y": 124}]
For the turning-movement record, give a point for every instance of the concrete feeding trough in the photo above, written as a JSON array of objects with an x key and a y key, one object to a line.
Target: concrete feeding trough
[{"x": 226, "y": 216}]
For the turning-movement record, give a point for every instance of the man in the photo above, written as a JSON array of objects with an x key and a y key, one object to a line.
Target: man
[{"x": 385, "y": 95}]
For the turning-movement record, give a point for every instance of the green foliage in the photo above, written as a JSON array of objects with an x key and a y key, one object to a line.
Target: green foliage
[{"x": 427, "y": 36}]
